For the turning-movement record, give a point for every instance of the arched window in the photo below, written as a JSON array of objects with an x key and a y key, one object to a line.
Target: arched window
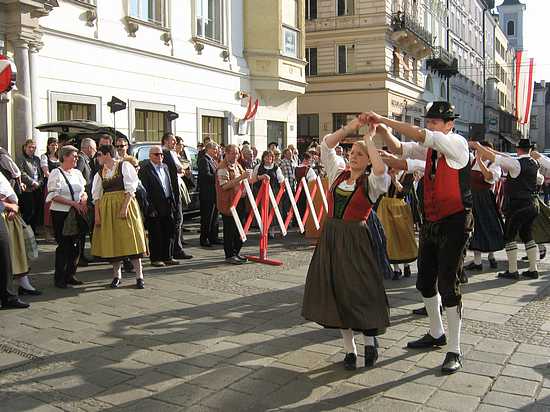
[
  {"x": 443, "y": 91},
  {"x": 429, "y": 84},
  {"x": 510, "y": 28}
]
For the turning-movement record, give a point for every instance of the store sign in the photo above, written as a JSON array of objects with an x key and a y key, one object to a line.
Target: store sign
[{"x": 8, "y": 74}]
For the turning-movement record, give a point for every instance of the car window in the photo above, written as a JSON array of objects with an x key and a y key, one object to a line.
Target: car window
[{"x": 142, "y": 153}]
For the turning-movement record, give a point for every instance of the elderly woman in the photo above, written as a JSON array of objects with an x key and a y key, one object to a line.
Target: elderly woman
[
  {"x": 344, "y": 286},
  {"x": 118, "y": 232},
  {"x": 66, "y": 190},
  {"x": 33, "y": 178}
]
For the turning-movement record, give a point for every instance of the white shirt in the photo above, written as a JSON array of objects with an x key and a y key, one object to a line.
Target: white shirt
[
  {"x": 334, "y": 165},
  {"x": 57, "y": 186},
  {"x": 452, "y": 145},
  {"x": 162, "y": 174},
  {"x": 6, "y": 191},
  {"x": 179, "y": 166},
  {"x": 280, "y": 176},
  {"x": 415, "y": 165},
  {"x": 494, "y": 168},
  {"x": 510, "y": 165},
  {"x": 544, "y": 161},
  {"x": 129, "y": 175}
]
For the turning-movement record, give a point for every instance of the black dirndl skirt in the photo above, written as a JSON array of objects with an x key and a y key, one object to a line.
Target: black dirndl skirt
[{"x": 488, "y": 224}]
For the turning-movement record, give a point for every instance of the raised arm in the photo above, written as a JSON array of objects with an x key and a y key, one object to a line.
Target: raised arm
[
  {"x": 393, "y": 143},
  {"x": 333, "y": 139}
]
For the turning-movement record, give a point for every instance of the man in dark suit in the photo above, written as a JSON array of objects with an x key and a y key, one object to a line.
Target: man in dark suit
[
  {"x": 159, "y": 218},
  {"x": 207, "y": 196},
  {"x": 175, "y": 168}
]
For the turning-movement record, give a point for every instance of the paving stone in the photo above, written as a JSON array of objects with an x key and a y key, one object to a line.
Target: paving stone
[
  {"x": 147, "y": 405},
  {"x": 497, "y": 358},
  {"x": 27, "y": 403},
  {"x": 384, "y": 404},
  {"x": 529, "y": 360},
  {"x": 376, "y": 377},
  {"x": 184, "y": 395},
  {"x": 256, "y": 387},
  {"x": 296, "y": 393},
  {"x": 303, "y": 359},
  {"x": 411, "y": 391},
  {"x": 544, "y": 397},
  {"x": 491, "y": 408},
  {"x": 507, "y": 400},
  {"x": 482, "y": 368},
  {"x": 515, "y": 386},
  {"x": 221, "y": 377},
  {"x": 523, "y": 372},
  {"x": 278, "y": 373},
  {"x": 496, "y": 346},
  {"x": 155, "y": 381},
  {"x": 122, "y": 394},
  {"x": 454, "y": 402},
  {"x": 468, "y": 384},
  {"x": 182, "y": 348},
  {"x": 534, "y": 349}
]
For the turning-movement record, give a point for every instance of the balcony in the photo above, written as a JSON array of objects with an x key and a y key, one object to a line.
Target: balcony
[
  {"x": 337, "y": 23},
  {"x": 409, "y": 35},
  {"x": 443, "y": 62}
]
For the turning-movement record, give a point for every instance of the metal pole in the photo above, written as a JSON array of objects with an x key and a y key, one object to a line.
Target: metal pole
[{"x": 448, "y": 49}]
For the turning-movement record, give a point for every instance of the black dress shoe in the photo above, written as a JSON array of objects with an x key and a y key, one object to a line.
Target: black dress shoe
[
  {"x": 74, "y": 281},
  {"x": 140, "y": 284},
  {"x": 396, "y": 275},
  {"x": 234, "y": 260},
  {"x": 525, "y": 258},
  {"x": 509, "y": 275},
  {"x": 183, "y": 255},
  {"x": 241, "y": 258},
  {"x": 23, "y": 291},
  {"x": 427, "y": 341},
  {"x": 371, "y": 355},
  {"x": 420, "y": 311},
  {"x": 473, "y": 266},
  {"x": 350, "y": 361},
  {"x": 115, "y": 283},
  {"x": 493, "y": 263},
  {"x": 452, "y": 363},
  {"x": 407, "y": 272},
  {"x": 206, "y": 244},
  {"x": 15, "y": 304},
  {"x": 531, "y": 274}
]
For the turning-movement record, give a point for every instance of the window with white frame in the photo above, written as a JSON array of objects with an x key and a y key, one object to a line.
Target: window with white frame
[
  {"x": 346, "y": 58},
  {"x": 291, "y": 32},
  {"x": 152, "y": 11},
  {"x": 345, "y": 7},
  {"x": 209, "y": 19},
  {"x": 311, "y": 57},
  {"x": 311, "y": 9}
]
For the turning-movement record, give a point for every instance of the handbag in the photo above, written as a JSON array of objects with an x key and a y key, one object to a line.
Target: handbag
[
  {"x": 75, "y": 224},
  {"x": 31, "y": 247}
]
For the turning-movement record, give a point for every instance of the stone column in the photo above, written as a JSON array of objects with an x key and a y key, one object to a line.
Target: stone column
[
  {"x": 22, "y": 109},
  {"x": 34, "y": 48}
]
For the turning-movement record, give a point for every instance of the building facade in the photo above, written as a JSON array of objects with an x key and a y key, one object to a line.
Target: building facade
[
  {"x": 203, "y": 59},
  {"x": 539, "y": 131},
  {"x": 363, "y": 55},
  {"x": 510, "y": 14}
]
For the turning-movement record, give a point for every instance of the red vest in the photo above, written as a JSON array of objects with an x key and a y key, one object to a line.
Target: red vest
[
  {"x": 359, "y": 205},
  {"x": 443, "y": 194}
]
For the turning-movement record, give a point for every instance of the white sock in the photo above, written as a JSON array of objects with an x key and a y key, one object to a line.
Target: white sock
[
  {"x": 491, "y": 256},
  {"x": 25, "y": 283},
  {"x": 532, "y": 251},
  {"x": 396, "y": 267},
  {"x": 436, "y": 323},
  {"x": 116, "y": 270},
  {"x": 369, "y": 340},
  {"x": 138, "y": 268},
  {"x": 512, "y": 254},
  {"x": 454, "y": 321},
  {"x": 349, "y": 342},
  {"x": 477, "y": 257}
]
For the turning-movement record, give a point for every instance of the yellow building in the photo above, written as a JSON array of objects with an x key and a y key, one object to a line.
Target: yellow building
[{"x": 363, "y": 55}]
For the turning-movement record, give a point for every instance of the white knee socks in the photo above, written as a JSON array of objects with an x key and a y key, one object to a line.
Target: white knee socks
[
  {"x": 532, "y": 251},
  {"x": 116, "y": 270},
  {"x": 454, "y": 321},
  {"x": 349, "y": 342},
  {"x": 138, "y": 268},
  {"x": 369, "y": 340},
  {"x": 477, "y": 257},
  {"x": 25, "y": 283},
  {"x": 436, "y": 323},
  {"x": 512, "y": 254}
]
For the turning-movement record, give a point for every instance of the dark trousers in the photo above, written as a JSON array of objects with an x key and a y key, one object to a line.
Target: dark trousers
[
  {"x": 161, "y": 238},
  {"x": 232, "y": 242},
  {"x": 177, "y": 245},
  {"x": 440, "y": 257},
  {"x": 67, "y": 252},
  {"x": 7, "y": 291},
  {"x": 520, "y": 216},
  {"x": 209, "y": 222},
  {"x": 32, "y": 207}
]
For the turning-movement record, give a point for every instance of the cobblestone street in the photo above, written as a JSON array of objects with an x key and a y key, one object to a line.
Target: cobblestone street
[{"x": 207, "y": 336}]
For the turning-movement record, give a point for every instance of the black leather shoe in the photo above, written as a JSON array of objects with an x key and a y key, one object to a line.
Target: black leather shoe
[
  {"x": 371, "y": 355},
  {"x": 74, "y": 281},
  {"x": 525, "y": 258},
  {"x": 396, "y": 275},
  {"x": 452, "y": 363},
  {"x": 140, "y": 284},
  {"x": 509, "y": 275},
  {"x": 350, "y": 361},
  {"x": 61, "y": 285},
  {"x": 531, "y": 274},
  {"x": 427, "y": 341},
  {"x": 420, "y": 311},
  {"x": 206, "y": 244},
  {"x": 241, "y": 258},
  {"x": 234, "y": 260},
  {"x": 23, "y": 291},
  {"x": 407, "y": 272},
  {"x": 183, "y": 255},
  {"x": 473, "y": 266},
  {"x": 493, "y": 263},
  {"x": 115, "y": 283},
  {"x": 15, "y": 304}
]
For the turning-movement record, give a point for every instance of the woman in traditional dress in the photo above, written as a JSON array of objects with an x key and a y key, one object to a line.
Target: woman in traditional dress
[
  {"x": 118, "y": 231},
  {"x": 344, "y": 287},
  {"x": 488, "y": 234},
  {"x": 397, "y": 220}
]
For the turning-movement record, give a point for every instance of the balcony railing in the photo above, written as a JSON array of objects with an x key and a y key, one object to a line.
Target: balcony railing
[
  {"x": 443, "y": 61},
  {"x": 336, "y": 23},
  {"x": 404, "y": 22}
]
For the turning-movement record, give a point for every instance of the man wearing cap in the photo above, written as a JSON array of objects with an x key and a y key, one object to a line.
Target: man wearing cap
[
  {"x": 448, "y": 220},
  {"x": 520, "y": 204}
]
